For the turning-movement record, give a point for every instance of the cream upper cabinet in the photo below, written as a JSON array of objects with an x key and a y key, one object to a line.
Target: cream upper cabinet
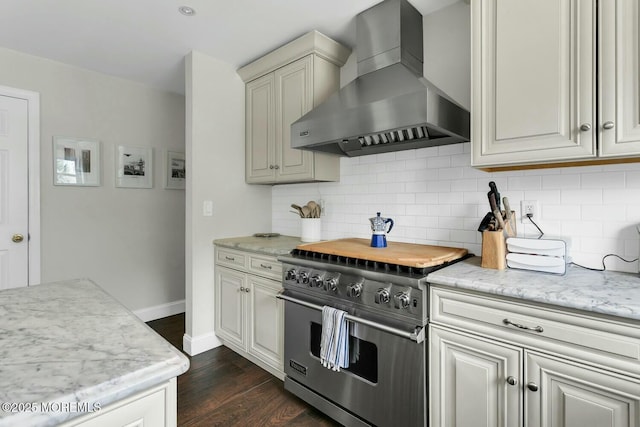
[
  {"x": 533, "y": 81},
  {"x": 619, "y": 87},
  {"x": 281, "y": 87},
  {"x": 536, "y": 65}
]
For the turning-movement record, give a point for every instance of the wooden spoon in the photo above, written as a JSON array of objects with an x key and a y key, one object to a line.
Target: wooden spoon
[
  {"x": 299, "y": 209},
  {"x": 306, "y": 212}
]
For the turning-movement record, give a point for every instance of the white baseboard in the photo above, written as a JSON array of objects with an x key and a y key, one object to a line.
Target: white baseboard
[
  {"x": 200, "y": 344},
  {"x": 160, "y": 311}
]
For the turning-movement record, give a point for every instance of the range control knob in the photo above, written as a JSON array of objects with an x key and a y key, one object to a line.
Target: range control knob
[
  {"x": 290, "y": 274},
  {"x": 331, "y": 285},
  {"x": 303, "y": 277},
  {"x": 354, "y": 290},
  {"x": 316, "y": 281},
  {"x": 401, "y": 300},
  {"x": 382, "y": 296}
]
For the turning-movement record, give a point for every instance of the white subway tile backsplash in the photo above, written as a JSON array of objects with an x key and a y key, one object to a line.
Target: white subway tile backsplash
[
  {"x": 630, "y": 196},
  {"x": 450, "y": 173},
  {"x": 560, "y": 212},
  {"x": 439, "y": 162},
  {"x": 525, "y": 183},
  {"x": 603, "y": 180},
  {"x": 435, "y": 197},
  {"x": 582, "y": 197},
  {"x": 559, "y": 181},
  {"x": 447, "y": 150}
]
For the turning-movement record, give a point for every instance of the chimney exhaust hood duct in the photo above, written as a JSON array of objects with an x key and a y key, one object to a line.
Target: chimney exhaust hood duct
[{"x": 390, "y": 106}]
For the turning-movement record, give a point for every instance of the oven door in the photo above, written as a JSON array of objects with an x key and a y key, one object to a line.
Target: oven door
[{"x": 384, "y": 385}]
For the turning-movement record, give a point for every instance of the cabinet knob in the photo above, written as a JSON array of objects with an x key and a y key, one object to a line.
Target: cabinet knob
[
  {"x": 608, "y": 125},
  {"x": 271, "y": 166},
  {"x": 276, "y": 167},
  {"x": 585, "y": 127},
  {"x": 532, "y": 386},
  {"x": 241, "y": 288},
  {"x": 17, "y": 238},
  {"x": 246, "y": 290},
  {"x": 512, "y": 381}
]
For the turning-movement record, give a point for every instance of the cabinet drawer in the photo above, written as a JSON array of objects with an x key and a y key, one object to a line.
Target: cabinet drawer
[
  {"x": 536, "y": 326},
  {"x": 266, "y": 267},
  {"x": 231, "y": 258}
]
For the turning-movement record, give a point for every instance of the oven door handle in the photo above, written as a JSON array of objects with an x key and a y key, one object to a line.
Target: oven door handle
[{"x": 417, "y": 335}]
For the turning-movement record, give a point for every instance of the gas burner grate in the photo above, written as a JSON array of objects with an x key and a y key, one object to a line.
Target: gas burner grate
[{"x": 368, "y": 264}]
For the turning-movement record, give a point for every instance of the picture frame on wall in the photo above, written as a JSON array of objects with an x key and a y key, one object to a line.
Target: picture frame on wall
[
  {"x": 134, "y": 167},
  {"x": 175, "y": 170},
  {"x": 76, "y": 162}
]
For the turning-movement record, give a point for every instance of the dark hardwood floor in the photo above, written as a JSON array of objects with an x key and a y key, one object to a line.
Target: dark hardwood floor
[{"x": 222, "y": 388}]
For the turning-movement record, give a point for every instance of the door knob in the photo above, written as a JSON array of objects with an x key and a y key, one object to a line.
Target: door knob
[{"x": 17, "y": 238}]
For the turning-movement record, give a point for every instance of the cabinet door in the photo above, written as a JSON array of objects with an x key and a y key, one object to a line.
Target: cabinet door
[
  {"x": 572, "y": 395},
  {"x": 260, "y": 130},
  {"x": 294, "y": 98},
  {"x": 619, "y": 88},
  {"x": 266, "y": 321},
  {"x": 229, "y": 295},
  {"x": 469, "y": 381},
  {"x": 532, "y": 81}
]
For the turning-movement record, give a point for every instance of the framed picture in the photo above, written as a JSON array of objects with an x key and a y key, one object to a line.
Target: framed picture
[
  {"x": 76, "y": 161},
  {"x": 134, "y": 167},
  {"x": 175, "y": 170}
]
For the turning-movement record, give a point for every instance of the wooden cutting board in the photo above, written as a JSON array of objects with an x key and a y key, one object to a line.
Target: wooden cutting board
[{"x": 407, "y": 254}]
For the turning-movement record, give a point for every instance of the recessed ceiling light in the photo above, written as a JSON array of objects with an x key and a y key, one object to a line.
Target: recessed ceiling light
[{"x": 187, "y": 11}]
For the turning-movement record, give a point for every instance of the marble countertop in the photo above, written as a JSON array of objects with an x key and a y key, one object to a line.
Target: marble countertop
[
  {"x": 273, "y": 246},
  {"x": 71, "y": 342},
  {"x": 608, "y": 292}
]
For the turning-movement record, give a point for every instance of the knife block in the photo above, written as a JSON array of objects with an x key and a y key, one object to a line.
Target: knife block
[{"x": 494, "y": 250}]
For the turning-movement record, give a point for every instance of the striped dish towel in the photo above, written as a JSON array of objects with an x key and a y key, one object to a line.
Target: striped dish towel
[{"x": 334, "y": 343}]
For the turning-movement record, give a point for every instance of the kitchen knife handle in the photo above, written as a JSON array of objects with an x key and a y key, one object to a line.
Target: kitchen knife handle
[
  {"x": 498, "y": 216},
  {"x": 494, "y": 190},
  {"x": 507, "y": 208},
  {"x": 492, "y": 201}
]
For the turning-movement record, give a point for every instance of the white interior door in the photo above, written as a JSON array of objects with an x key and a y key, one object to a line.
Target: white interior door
[{"x": 14, "y": 192}]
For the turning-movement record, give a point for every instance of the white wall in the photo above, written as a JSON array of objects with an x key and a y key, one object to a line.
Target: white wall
[
  {"x": 215, "y": 151},
  {"x": 436, "y": 197},
  {"x": 129, "y": 241}
]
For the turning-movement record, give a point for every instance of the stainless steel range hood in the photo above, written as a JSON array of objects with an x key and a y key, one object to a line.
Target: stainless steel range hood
[{"x": 390, "y": 106}]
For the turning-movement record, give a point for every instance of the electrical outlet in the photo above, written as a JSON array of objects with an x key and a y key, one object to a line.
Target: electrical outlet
[{"x": 528, "y": 207}]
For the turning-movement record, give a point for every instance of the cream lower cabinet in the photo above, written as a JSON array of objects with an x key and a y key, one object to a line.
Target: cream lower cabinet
[
  {"x": 567, "y": 93},
  {"x": 281, "y": 87},
  {"x": 550, "y": 370},
  {"x": 468, "y": 381},
  {"x": 153, "y": 407},
  {"x": 249, "y": 318}
]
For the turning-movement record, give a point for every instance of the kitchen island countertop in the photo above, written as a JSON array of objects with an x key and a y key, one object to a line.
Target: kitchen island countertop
[
  {"x": 608, "y": 292},
  {"x": 70, "y": 342},
  {"x": 272, "y": 246}
]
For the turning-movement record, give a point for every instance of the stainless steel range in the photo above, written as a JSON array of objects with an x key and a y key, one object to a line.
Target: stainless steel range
[{"x": 385, "y": 383}]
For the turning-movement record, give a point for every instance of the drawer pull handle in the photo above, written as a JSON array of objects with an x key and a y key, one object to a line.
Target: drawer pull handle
[
  {"x": 265, "y": 266},
  {"x": 229, "y": 258},
  {"x": 519, "y": 326}
]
